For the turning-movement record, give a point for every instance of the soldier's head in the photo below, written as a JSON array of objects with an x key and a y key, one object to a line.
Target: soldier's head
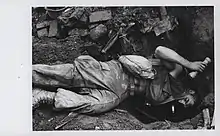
[{"x": 189, "y": 99}]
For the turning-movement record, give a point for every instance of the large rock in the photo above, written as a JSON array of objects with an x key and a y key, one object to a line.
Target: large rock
[
  {"x": 71, "y": 16},
  {"x": 98, "y": 32},
  {"x": 77, "y": 14},
  {"x": 162, "y": 27},
  {"x": 100, "y": 16},
  {"x": 42, "y": 33},
  {"x": 42, "y": 25},
  {"x": 84, "y": 19},
  {"x": 53, "y": 31}
]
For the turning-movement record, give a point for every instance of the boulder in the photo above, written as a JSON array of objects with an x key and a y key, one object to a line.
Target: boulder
[
  {"x": 98, "y": 32},
  {"x": 53, "y": 30},
  {"x": 42, "y": 25},
  {"x": 100, "y": 16},
  {"x": 42, "y": 33},
  {"x": 77, "y": 14}
]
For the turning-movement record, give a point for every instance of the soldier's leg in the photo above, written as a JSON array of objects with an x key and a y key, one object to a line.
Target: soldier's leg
[
  {"x": 47, "y": 78},
  {"x": 41, "y": 96},
  {"x": 53, "y": 75},
  {"x": 174, "y": 69},
  {"x": 89, "y": 101},
  {"x": 167, "y": 57}
]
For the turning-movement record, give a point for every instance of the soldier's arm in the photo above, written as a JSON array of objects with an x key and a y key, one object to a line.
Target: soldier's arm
[{"x": 170, "y": 55}]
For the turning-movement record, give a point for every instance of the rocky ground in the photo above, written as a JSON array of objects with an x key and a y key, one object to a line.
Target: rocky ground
[{"x": 191, "y": 34}]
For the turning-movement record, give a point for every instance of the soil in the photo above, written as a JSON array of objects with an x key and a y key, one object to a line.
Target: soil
[
  {"x": 126, "y": 116},
  {"x": 121, "y": 118}
]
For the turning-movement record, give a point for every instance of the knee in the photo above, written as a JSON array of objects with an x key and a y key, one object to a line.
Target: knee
[{"x": 158, "y": 50}]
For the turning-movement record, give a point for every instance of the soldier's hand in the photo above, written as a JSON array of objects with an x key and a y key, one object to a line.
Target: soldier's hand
[{"x": 197, "y": 66}]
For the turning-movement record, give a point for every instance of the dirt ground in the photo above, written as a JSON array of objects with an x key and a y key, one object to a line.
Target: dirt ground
[{"x": 126, "y": 116}]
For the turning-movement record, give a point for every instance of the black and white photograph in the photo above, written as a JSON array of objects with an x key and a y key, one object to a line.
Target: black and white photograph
[{"x": 123, "y": 68}]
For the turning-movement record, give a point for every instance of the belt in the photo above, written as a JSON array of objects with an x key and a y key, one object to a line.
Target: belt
[
  {"x": 131, "y": 86},
  {"x": 137, "y": 85}
]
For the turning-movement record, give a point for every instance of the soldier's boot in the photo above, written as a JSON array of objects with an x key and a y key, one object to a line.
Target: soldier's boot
[{"x": 42, "y": 97}]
